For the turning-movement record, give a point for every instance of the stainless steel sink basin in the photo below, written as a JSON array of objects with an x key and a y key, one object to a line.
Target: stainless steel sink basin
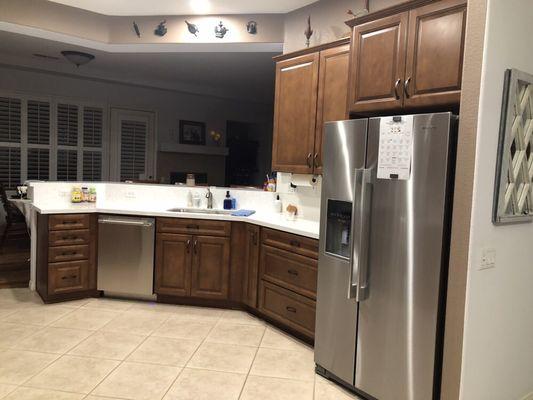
[{"x": 201, "y": 211}]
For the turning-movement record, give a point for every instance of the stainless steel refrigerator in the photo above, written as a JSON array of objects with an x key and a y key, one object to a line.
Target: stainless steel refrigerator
[{"x": 384, "y": 240}]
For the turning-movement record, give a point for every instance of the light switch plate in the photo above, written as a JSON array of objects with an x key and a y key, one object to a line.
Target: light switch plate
[{"x": 488, "y": 258}]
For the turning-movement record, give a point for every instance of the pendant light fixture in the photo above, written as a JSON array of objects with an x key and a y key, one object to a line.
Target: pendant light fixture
[{"x": 77, "y": 57}]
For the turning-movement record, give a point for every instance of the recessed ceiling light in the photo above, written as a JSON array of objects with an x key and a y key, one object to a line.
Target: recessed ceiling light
[{"x": 200, "y": 6}]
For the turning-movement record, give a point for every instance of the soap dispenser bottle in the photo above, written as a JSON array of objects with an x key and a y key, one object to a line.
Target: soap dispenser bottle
[{"x": 228, "y": 203}]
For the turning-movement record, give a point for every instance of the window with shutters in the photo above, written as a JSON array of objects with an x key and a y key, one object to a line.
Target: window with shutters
[
  {"x": 67, "y": 165},
  {"x": 10, "y": 138},
  {"x": 39, "y": 164},
  {"x": 51, "y": 139},
  {"x": 67, "y": 125},
  {"x": 132, "y": 149}
]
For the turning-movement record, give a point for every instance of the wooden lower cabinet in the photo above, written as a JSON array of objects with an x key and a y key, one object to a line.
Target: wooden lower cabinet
[
  {"x": 192, "y": 266},
  {"x": 210, "y": 267},
  {"x": 297, "y": 312},
  {"x": 66, "y": 256},
  {"x": 173, "y": 258}
]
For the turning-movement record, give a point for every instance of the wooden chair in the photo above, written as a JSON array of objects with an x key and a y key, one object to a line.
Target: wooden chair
[{"x": 15, "y": 227}]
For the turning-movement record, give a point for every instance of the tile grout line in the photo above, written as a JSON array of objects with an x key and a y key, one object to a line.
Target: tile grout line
[
  {"x": 190, "y": 358},
  {"x": 126, "y": 357},
  {"x": 252, "y": 363}
]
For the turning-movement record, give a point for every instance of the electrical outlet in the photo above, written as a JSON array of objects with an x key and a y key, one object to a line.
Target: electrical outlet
[
  {"x": 488, "y": 258},
  {"x": 130, "y": 195}
]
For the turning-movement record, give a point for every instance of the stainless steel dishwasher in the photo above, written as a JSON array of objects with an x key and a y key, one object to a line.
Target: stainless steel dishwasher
[{"x": 126, "y": 256}]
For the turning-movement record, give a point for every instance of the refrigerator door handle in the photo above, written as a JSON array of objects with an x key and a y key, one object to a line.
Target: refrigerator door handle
[
  {"x": 356, "y": 233},
  {"x": 361, "y": 279}
]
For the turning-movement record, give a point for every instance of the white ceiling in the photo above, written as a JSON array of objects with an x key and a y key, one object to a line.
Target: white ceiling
[
  {"x": 229, "y": 74},
  {"x": 186, "y": 7}
]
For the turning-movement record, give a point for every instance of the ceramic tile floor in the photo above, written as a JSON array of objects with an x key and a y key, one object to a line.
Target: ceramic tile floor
[{"x": 113, "y": 349}]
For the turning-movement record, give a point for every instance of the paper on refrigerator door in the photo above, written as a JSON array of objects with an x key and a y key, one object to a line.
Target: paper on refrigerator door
[{"x": 395, "y": 147}]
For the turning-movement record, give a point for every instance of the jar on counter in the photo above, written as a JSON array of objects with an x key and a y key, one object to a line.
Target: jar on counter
[
  {"x": 76, "y": 195},
  {"x": 84, "y": 194},
  {"x": 92, "y": 195}
]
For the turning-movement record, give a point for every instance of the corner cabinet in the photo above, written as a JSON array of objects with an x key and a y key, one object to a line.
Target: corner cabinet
[
  {"x": 192, "y": 258},
  {"x": 310, "y": 90},
  {"x": 411, "y": 57}
]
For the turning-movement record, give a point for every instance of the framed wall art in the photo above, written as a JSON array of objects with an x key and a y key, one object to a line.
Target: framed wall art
[
  {"x": 192, "y": 132},
  {"x": 513, "y": 189}
]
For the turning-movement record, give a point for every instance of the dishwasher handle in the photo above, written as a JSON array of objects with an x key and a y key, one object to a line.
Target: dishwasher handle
[{"x": 131, "y": 222}]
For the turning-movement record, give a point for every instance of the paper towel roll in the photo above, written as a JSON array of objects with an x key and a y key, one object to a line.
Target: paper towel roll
[{"x": 302, "y": 180}]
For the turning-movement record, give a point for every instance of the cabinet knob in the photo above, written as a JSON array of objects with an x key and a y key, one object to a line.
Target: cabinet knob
[
  {"x": 406, "y": 87},
  {"x": 315, "y": 161},
  {"x": 397, "y": 89}
]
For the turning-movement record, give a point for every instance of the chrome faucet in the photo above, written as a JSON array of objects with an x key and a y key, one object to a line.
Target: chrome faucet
[{"x": 209, "y": 197}]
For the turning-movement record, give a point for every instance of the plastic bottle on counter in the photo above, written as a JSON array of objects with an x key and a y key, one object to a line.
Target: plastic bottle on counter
[
  {"x": 75, "y": 195},
  {"x": 228, "y": 202},
  {"x": 92, "y": 195},
  {"x": 278, "y": 207}
]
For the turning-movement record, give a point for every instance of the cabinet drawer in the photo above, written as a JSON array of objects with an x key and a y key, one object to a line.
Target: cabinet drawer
[
  {"x": 294, "y": 243},
  {"x": 69, "y": 238},
  {"x": 287, "y": 307},
  {"x": 61, "y": 222},
  {"x": 293, "y": 271},
  {"x": 68, "y": 253},
  {"x": 67, "y": 277},
  {"x": 193, "y": 226}
]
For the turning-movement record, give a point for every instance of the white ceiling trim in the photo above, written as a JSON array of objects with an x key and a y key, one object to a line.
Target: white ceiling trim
[
  {"x": 142, "y": 47},
  {"x": 185, "y": 7}
]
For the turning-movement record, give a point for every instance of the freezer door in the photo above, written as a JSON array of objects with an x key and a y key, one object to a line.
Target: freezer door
[
  {"x": 398, "y": 310},
  {"x": 336, "y": 320}
]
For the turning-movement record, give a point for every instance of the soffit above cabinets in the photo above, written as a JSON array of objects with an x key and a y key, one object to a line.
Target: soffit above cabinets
[{"x": 185, "y": 7}]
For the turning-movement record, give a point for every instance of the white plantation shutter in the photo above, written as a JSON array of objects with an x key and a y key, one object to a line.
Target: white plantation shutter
[
  {"x": 10, "y": 120},
  {"x": 67, "y": 165},
  {"x": 93, "y": 126},
  {"x": 10, "y": 167},
  {"x": 133, "y": 136},
  {"x": 67, "y": 125},
  {"x": 10, "y": 137},
  {"x": 38, "y": 122},
  {"x": 92, "y": 166},
  {"x": 38, "y": 163}
]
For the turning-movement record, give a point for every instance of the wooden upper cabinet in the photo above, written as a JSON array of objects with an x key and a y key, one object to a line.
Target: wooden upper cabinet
[
  {"x": 173, "y": 264},
  {"x": 295, "y": 114},
  {"x": 210, "y": 267},
  {"x": 435, "y": 54},
  {"x": 332, "y": 94},
  {"x": 378, "y": 64}
]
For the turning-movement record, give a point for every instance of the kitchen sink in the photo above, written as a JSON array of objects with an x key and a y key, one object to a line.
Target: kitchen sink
[{"x": 201, "y": 211}]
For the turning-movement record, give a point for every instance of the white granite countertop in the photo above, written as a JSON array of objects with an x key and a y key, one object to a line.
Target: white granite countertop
[{"x": 270, "y": 220}]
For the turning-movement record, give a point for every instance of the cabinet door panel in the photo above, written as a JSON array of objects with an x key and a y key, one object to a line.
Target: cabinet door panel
[
  {"x": 435, "y": 54},
  {"x": 210, "y": 267},
  {"x": 295, "y": 114},
  {"x": 332, "y": 94},
  {"x": 251, "y": 265},
  {"x": 173, "y": 264},
  {"x": 378, "y": 64}
]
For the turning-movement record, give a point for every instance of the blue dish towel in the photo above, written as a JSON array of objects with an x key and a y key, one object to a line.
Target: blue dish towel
[{"x": 243, "y": 213}]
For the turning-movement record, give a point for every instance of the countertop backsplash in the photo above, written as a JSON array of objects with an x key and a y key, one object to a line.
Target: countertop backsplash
[{"x": 138, "y": 196}]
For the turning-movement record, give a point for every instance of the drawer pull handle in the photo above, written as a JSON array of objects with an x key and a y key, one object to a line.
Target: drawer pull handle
[
  {"x": 290, "y": 309},
  {"x": 295, "y": 243},
  {"x": 70, "y": 222},
  {"x": 188, "y": 246},
  {"x": 196, "y": 247},
  {"x": 69, "y": 253},
  {"x": 69, "y": 277},
  {"x": 193, "y": 226},
  {"x": 292, "y": 272},
  {"x": 69, "y": 238}
]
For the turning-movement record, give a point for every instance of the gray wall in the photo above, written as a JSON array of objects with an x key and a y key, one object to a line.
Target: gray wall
[{"x": 169, "y": 106}]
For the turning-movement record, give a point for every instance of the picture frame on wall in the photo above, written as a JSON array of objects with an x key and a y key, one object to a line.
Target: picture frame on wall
[{"x": 192, "y": 132}]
